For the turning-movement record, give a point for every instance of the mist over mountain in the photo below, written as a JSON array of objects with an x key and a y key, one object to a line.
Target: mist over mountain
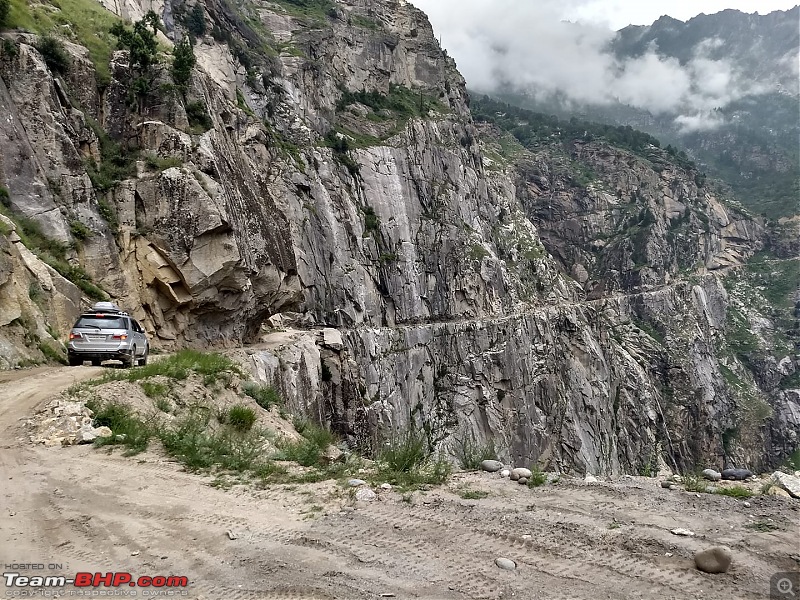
[
  {"x": 724, "y": 87},
  {"x": 665, "y": 68}
]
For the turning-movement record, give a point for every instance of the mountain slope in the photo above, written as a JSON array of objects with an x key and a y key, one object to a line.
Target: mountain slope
[
  {"x": 749, "y": 138},
  {"x": 319, "y": 165}
]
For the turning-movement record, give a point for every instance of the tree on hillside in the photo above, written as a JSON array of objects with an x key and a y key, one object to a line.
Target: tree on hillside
[
  {"x": 142, "y": 46},
  {"x": 182, "y": 63},
  {"x": 139, "y": 41}
]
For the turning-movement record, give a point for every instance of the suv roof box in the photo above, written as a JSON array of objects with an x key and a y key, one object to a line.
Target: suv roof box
[{"x": 106, "y": 307}]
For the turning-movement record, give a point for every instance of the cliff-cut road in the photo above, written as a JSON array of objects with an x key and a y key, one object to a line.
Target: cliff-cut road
[{"x": 86, "y": 509}]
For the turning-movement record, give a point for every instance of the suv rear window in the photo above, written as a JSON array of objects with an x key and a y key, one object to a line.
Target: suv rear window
[{"x": 100, "y": 322}]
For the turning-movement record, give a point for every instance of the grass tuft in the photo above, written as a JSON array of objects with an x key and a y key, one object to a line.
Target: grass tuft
[
  {"x": 736, "y": 491},
  {"x": 265, "y": 396},
  {"x": 308, "y": 451},
  {"x": 241, "y": 418},
  {"x": 129, "y": 430},
  {"x": 470, "y": 454},
  {"x": 405, "y": 461},
  {"x": 537, "y": 478},
  {"x": 474, "y": 494}
]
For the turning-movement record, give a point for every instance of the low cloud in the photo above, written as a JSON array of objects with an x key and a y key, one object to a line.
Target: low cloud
[{"x": 529, "y": 47}]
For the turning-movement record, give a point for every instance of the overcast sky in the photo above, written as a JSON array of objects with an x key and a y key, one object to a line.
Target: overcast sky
[
  {"x": 617, "y": 14},
  {"x": 560, "y": 47}
]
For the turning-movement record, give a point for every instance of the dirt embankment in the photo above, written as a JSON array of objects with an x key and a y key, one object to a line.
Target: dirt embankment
[{"x": 93, "y": 510}]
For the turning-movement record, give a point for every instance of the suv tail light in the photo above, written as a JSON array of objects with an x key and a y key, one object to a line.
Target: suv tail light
[
  {"x": 121, "y": 336},
  {"x": 74, "y": 335}
]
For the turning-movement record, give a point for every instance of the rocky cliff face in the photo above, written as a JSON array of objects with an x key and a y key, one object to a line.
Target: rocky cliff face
[{"x": 321, "y": 168}]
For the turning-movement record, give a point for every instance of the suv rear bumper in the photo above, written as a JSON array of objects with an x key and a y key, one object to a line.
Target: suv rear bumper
[{"x": 99, "y": 355}]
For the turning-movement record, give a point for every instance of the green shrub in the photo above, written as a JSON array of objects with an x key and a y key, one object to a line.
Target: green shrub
[
  {"x": 79, "y": 230},
  {"x": 695, "y": 483},
  {"x": 193, "y": 443},
  {"x": 157, "y": 163},
  {"x": 53, "y": 53},
  {"x": 198, "y": 116},
  {"x": 5, "y": 198},
  {"x": 195, "y": 21},
  {"x": 470, "y": 454},
  {"x": 372, "y": 222},
  {"x": 406, "y": 461},
  {"x": 537, "y": 478},
  {"x": 35, "y": 292},
  {"x": 241, "y": 418},
  {"x": 265, "y": 396},
  {"x": 308, "y": 451},
  {"x": 128, "y": 429}
]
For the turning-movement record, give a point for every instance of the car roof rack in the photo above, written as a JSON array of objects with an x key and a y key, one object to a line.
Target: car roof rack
[{"x": 107, "y": 307}]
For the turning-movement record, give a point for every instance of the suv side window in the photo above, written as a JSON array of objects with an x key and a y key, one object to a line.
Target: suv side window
[{"x": 136, "y": 327}]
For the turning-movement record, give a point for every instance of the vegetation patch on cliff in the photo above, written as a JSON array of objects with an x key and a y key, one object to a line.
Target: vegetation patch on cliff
[{"x": 84, "y": 22}]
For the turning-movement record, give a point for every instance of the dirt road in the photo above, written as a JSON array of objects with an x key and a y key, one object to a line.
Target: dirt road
[{"x": 89, "y": 510}]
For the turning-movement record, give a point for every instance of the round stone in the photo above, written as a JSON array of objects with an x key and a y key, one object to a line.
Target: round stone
[
  {"x": 492, "y": 466},
  {"x": 714, "y": 560},
  {"x": 513, "y": 476},
  {"x": 522, "y": 481},
  {"x": 712, "y": 475},
  {"x": 522, "y": 472},
  {"x": 365, "y": 495},
  {"x": 505, "y": 563},
  {"x": 356, "y": 482},
  {"x": 505, "y": 473}
]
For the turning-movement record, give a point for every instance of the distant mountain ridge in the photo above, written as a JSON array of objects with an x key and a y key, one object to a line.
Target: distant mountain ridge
[
  {"x": 764, "y": 46},
  {"x": 754, "y": 149}
]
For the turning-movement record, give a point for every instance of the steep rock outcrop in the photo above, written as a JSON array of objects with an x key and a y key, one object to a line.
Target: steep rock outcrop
[{"x": 343, "y": 179}]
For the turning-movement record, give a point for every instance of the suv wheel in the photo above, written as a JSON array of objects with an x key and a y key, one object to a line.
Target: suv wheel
[
  {"x": 143, "y": 360},
  {"x": 96, "y": 362},
  {"x": 75, "y": 361},
  {"x": 129, "y": 361}
]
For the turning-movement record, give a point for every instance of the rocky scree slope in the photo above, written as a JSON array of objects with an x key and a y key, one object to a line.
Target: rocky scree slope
[{"x": 321, "y": 160}]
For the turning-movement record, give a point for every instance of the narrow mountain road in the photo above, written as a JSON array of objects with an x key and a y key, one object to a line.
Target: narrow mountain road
[{"x": 73, "y": 509}]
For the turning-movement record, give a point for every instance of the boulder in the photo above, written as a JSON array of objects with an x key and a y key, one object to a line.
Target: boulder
[
  {"x": 712, "y": 475},
  {"x": 590, "y": 478},
  {"x": 789, "y": 483},
  {"x": 522, "y": 472},
  {"x": 513, "y": 476},
  {"x": 779, "y": 492},
  {"x": 492, "y": 466},
  {"x": 714, "y": 560},
  {"x": 522, "y": 481},
  {"x": 736, "y": 474}
]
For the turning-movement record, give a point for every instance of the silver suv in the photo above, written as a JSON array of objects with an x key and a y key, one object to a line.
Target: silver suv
[{"x": 107, "y": 333}]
